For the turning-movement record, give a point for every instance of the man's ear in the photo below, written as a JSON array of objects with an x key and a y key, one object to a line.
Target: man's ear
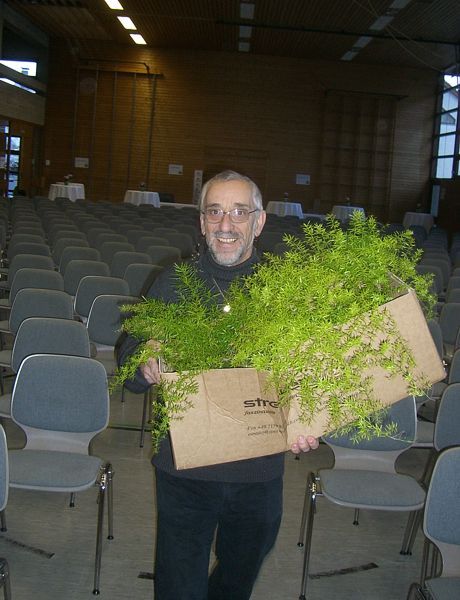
[
  {"x": 262, "y": 216},
  {"x": 203, "y": 231}
]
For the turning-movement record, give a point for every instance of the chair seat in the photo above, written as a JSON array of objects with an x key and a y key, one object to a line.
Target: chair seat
[
  {"x": 106, "y": 356},
  {"x": 5, "y": 405},
  {"x": 425, "y": 434},
  {"x": 5, "y": 358},
  {"x": 53, "y": 471},
  {"x": 371, "y": 489},
  {"x": 444, "y": 588}
]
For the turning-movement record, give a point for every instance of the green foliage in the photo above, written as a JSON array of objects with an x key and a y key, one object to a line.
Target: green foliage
[{"x": 309, "y": 318}]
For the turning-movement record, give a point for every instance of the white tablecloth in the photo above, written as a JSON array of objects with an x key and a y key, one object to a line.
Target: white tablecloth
[
  {"x": 414, "y": 218},
  {"x": 284, "y": 209},
  {"x": 72, "y": 191},
  {"x": 178, "y": 205},
  {"x": 344, "y": 212},
  {"x": 139, "y": 197}
]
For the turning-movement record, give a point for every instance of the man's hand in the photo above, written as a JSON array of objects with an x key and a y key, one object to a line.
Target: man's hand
[
  {"x": 150, "y": 370},
  {"x": 304, "y": 444}
]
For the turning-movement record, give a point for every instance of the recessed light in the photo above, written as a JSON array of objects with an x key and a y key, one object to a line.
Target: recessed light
[
  {"x": 114, "y": 4},
  {"x": 247, "y": 10},
  {"x": 349, "y": 55},
  {"x": 362, "y": 41},
  {"x": 381, "y": 23},
  {"x": 127, "y": 22},
  {"x": 245, "y": 31},
  {"x": 137, "y": 38}
]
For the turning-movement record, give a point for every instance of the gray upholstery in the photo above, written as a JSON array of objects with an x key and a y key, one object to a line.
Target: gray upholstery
[
  {"x": 449, "y": 321},
  {"x": 32, "y": 302},
  {"x": 364, "y": 477},
  {"x": 105, "y": 318},
  {"x": 122, "y": 259},
  {"x": 144, "y": 241},
  {"x": 92, "y": 286},
  {"x": 65, "y": 242},
  {"x": 140, "y": 277},
  {"x": 32, "y": 278},
  {"x": 109, "y": 249},
  {"x": 77, "y": 269},
  {"x": 447, "y": 426},
  {"x": 163, "y": 255},
  {"x": 21, "y": 261},
  {"x": 77, "y": 253},
  {"x": 59, "y": 421}
]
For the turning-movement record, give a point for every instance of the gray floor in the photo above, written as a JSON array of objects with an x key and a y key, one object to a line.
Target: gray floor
[{"x": 50, "y": 547}]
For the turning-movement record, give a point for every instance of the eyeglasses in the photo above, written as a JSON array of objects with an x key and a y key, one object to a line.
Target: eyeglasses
[{"x": 237, "y": 215}]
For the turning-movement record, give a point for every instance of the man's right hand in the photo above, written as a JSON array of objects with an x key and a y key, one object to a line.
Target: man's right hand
[{"x": 150, "y": 371}]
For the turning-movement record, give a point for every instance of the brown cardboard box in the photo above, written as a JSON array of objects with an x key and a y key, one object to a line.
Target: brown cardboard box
[{"x": 234, "y": 416}]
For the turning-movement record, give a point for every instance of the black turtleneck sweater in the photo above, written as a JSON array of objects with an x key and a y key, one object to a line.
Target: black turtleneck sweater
[{"x": 218, "y": 278}]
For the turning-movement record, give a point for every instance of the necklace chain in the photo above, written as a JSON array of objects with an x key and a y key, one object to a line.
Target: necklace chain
[{"x": 226, "y": 307}]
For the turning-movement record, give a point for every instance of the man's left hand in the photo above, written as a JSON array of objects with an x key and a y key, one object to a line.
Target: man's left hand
[{"x": 304, "y": 443}]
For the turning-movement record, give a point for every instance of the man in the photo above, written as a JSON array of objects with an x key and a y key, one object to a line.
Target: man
[{"x": 243, "y": 499}]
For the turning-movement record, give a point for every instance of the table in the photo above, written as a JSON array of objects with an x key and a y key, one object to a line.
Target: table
[
  {"x": 414, "y": 218},
  {"x": 283, "y": 209},
  {"x": 72, "y": 191},
  {"x": 137, "y": 197},
  {"x": 344, "y": 212}
]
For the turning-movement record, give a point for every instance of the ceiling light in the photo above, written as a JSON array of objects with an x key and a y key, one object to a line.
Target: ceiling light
[
  {"x": 247, "y": 10},
  {"x": 362, "y": 41},
  {"x": 114, "y": 4},
  {"x": 349, "y": 55},
  {"x": 399, "y": 4},
  {"x": 138, "y": 39},
  {"x": 244, "y": 46},
  {"x": 245, "y": 31},
  {"x": 127, "y": 22},
  {"x": 381, "y": 23}
]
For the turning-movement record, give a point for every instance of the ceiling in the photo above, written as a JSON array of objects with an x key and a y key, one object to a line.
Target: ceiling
[{"x": 421, "y": 33}]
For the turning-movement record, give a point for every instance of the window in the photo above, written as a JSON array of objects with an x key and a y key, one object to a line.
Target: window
[
  {"x": 447, "y": 136},
  {"x": 10, "y": 161},
  {"x": 23, "y": 67}
]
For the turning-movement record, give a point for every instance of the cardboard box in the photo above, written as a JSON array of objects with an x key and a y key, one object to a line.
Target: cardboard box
[{"x": 234, "y": 416}]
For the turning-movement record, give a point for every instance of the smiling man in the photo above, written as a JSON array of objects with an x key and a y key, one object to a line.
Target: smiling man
[{"x": 242, "y": 499}]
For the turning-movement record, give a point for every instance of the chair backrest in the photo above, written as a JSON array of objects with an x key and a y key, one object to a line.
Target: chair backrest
[
  {"x": 378, "y": 453},
  {"x": 163, "y": 255},
  {"x": 144, "y": 241},
  {"x": 109, "y": 249},
  {"x": 34, "y": 261},
  {"x": 436, "y": 334},
  {"x": 92, "y": 286},
  {"x": 110, "y": 236},
  {"x": 77, "y": 253},
  {"x": 4, "y": 470},
  {"x": 447, "y": 425},
  {"x": 104, "y": 320},
  {"x": 66, "y": 415},
  {"x": 35, "y": 278},
  {"x": 124, "y": 258},
  {"x": 140, "y": 277},
  {"x": 65, "y": 242},
  {"x": 34, "y": 302},
  {"x": 183, "y": 241},
  {"x": 48, "y": 335},
  {"x": 454, "y": 368},
  {"x": 449, "y": 321},
  {"x": 441, "y": 523},
  {"x": 30, "y": 248},
  {"x": 77, "y": 269}
]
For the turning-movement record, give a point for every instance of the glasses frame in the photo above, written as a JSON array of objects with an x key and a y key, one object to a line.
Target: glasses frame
[{"x": 229, "y": 213}]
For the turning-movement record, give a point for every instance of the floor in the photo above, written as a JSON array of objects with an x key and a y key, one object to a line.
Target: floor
[{"x": 50, "y": 547}]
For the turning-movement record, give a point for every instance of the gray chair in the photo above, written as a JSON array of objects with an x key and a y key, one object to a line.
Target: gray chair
[
  {"x": 43, "y": 335},
  {"x": 449, "y": 322},
  {"x": 77, "y": 269},
  {"x": 441, "y": 525},
  {"x": 65, "y": 242},
  {"x": 21, "y": 261},
  {"x": 364, "y": 477},
  {"x": 144, "y": 241},
  {"x": 140, "y": 277},
  {"x": 109, "y": 249},
  {"x": 59, "y": 421},
  {"x": 92, "y": 286},
  {"x": 124, "y": 258},
  {"x": 183, "y": 241},
  {"x": 32, "y": 278},
  {"x": 77, "y": 253},
  {"x": 164, "y": 255},
  {"x": 4, "y": 488}
]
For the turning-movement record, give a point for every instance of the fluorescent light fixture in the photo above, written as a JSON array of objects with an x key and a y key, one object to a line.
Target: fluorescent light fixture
[
  {"x": 244, "y": 46},
  {"x": 21, "y": 66},
  {"x": 138, "y": 39},
  {"x": 245, "y": 31},
  {"x": 247, "y": 10},
  {"x": 362, "y": 41},
  {"x": 398, "y": 4},
  {"x": 23, "y": 87},
  {"x": 114, "y": 4},
  {"x": 381, "y": 23},
  {"x": 127, "y": 22},
  {"x": 349, "y": 55}
]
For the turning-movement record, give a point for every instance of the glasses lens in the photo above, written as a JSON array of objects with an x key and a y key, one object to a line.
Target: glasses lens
[{"x": 237, "y": 215}]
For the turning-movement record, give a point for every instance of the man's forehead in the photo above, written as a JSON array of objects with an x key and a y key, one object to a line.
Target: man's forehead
[{"x": 236, "y": 192}]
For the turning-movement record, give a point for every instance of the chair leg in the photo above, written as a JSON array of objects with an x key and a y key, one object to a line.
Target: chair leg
[
  {"x": 3, "y": 521},
  {"x": 145, "y": 412},
  {"x": 73, "y": 495},
  {"x": 5, "y": 578},
  {"x": 105, "y": 481},
  {"x": 413, "y": 523},
  {"x": 306, "y": 529},
  {"x": 356, "y": 518}
]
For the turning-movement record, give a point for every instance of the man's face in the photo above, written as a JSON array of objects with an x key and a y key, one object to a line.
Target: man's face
[{"x": 231, "y": 243}]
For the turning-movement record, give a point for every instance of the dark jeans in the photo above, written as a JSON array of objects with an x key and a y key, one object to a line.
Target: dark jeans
[{"x": 247, "y": 516}]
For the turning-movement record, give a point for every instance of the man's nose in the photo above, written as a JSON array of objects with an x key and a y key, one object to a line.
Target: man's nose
[{"x": 226, "y": 223}]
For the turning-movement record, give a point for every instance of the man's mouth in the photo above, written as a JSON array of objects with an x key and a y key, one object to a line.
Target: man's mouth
[{"x": 226, "y": 240}]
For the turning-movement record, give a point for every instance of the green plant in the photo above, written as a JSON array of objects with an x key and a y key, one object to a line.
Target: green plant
[{"x": 309, "y": 318}]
